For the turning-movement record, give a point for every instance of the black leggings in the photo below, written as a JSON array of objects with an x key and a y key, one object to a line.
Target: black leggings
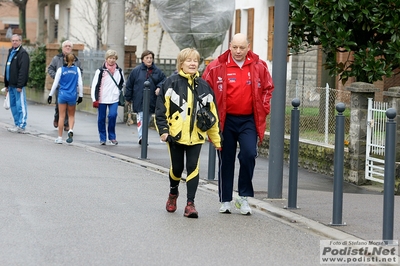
[{"x": 177, "y": 154}]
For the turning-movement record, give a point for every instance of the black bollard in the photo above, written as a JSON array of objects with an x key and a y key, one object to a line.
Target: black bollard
[
  {"x": 338, "y": 167},
  {"x": 145, "y": 132},
  {"x": 389, "y": 175},
  {"x": 211, "y": 161},
  {"x": 294, "y": 155}
]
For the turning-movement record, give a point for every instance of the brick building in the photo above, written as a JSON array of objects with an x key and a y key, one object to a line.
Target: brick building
[{"x": 9, "y": 18}]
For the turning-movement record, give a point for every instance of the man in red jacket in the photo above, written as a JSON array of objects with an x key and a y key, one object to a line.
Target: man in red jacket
[{"x": 243, "y": 89}]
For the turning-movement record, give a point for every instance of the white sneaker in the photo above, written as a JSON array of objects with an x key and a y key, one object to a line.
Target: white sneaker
[
  {"x": 16, "y": 129},
  {"x": 242, "y": 204},
  {"x": 12, "y": 129},
  {"x": 58, "y": 140},
  {"x": 225, "y": 207}
]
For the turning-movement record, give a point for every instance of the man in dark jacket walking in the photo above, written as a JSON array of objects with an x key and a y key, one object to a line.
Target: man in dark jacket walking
[
  {"x": 147, "y": 70},
  {"x": 57, "y": 62},
  {"x": 15, "y": 79}
]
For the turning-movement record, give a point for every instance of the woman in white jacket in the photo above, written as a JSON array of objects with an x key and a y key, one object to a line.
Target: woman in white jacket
[{"x": 105, "y": 94}]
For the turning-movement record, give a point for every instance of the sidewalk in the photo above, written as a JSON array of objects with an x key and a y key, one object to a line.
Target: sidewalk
[{"x": 362, "y": 206}]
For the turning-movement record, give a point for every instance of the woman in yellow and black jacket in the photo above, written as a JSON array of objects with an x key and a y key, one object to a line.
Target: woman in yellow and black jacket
[{"x": 176, "y": 118}]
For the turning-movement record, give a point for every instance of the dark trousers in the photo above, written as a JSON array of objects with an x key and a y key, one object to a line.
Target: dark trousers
[
  {"x": 242, "y": 130},
  {"x": 177, "y": 155},
  {"x": 56, "y": 114}
]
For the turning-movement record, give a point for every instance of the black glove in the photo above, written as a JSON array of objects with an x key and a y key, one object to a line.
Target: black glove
[
  {"x": 49, "y": 99},
  {"x": 79, "y": 100}
]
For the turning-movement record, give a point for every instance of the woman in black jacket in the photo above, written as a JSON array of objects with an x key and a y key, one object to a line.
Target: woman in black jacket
[
  {"x": 176, "y": 121},
  {"x": 146, "y": 71}
]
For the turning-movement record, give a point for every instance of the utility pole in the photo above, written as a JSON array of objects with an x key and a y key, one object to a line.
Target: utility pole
[
  {"x": 279, "y": 68},
  {"x": 116, "y": 36}
]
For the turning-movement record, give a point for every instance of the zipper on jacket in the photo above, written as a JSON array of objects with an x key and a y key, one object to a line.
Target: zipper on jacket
[{"x": 193, "y": 111}]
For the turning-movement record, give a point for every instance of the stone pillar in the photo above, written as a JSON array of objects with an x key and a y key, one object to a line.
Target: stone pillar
[
  {"x": 51, "y": 18},
  {"x": 52, "y": 49},
  {"x": 116, "y": 36},
  {"x": 129, "y": 59},
  {"x": 360, "y": 92},
  {"x": 393, "y": 95},
  {"x": 40, "y": 32}
]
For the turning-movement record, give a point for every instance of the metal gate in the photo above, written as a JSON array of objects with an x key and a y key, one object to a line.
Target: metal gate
[{"x": 375, "y": 147}]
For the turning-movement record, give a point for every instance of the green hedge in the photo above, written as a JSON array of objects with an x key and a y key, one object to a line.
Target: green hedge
[{"x": 37, "y": 69}]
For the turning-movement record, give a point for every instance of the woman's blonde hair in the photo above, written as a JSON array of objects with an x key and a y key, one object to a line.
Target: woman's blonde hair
[
  {"x": 185, "y": 54},
  {"x": 69, "y": 59},
  {"x": 110, "y": 53}
]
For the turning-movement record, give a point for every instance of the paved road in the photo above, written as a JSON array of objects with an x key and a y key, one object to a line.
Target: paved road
[{"x": 79, "y": 205}]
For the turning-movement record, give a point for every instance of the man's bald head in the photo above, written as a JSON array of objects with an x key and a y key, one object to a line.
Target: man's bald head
[{"x": 239, "y": 47}]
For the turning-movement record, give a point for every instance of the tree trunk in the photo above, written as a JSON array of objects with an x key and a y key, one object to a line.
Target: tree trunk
[
  {"x": 21, "y": 4},
  {"x": 99, "y": 41},
  {"x": 22, "y": 22},
  {"x": 159, "y": 46}
]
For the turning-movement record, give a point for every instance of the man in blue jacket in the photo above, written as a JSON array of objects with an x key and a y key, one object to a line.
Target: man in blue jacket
[
  {"x": 15, "y": 79},
  {"x": 146, "y": 71}
]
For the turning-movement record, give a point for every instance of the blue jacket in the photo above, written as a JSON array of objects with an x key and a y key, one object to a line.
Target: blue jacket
[{"x": 135, "y": 85}]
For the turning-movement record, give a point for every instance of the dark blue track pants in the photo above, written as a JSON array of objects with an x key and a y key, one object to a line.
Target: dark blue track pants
[{"x": 242, "y": 130}]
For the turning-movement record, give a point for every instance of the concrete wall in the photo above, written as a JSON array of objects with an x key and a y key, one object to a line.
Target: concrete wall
[{"x": 315, "y": 157}]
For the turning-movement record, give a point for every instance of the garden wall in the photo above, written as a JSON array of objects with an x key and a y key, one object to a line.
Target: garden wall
[{"x": 313, "y": 156}]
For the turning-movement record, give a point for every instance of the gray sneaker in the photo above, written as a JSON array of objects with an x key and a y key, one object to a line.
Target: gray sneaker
[
  {"x": 242, "y": 204},
  {"x": 70, "y": 137},
  {"x": 113, "y": 142}
]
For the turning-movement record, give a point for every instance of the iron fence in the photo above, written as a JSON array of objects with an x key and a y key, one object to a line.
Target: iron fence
[
  {"x": 317, "y": 112},
  {"x": 93, "y": 59},
  {"x": 167, "y": 65},
  {"x": 90, "y": 61},
  {"x": 3, "y": 59}
]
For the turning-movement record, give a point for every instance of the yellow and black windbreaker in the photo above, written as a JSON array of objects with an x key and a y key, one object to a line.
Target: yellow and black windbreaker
[{"x": 176, "y": 109}]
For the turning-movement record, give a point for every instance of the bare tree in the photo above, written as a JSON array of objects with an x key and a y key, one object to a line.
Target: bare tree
[
  {"x": 96, "y": 25},
  {"x": 159, "y": 45},
  {"x": 137, "y": 11}
]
